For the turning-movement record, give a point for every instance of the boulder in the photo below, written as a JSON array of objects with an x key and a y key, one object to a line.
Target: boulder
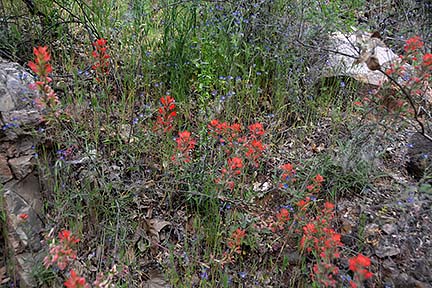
[
  {"x": 419, "y": 156},
  {"x": 20, "y": 191},
  {"x": 359, "y": 55}
]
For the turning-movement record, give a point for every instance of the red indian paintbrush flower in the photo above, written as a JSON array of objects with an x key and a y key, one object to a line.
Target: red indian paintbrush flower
[
  {"x": 359, "y": 264},
  {"x": 40, "y": 66},
  {"x": 413, "y": 44},
  {"x": 185, "y": 145},
  {"x": 75, "y": 281},
  {"x": 101, "y": 57},
  {"x": 167, "y": 113}
]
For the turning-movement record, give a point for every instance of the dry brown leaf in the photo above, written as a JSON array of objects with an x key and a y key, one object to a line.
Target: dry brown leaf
[
  {"x": 318, "y": 149},
  {"x": 153, "y": 228}
]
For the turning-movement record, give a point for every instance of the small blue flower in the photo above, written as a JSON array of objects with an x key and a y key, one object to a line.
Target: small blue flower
[
  {"x": 222, "y": 78},
  {"x": 346, "y": 278},
  {"x": 22, "y": 75},
  {"x": 242, "y": 275},
  {"x": 410, "y": 145},
  {"x": 425, "y": 156},
  {"x": 135, "y": 121},
  {"x": 204, "y": 275},
  {"x": 342, "y": 84},
  {"x": 289, "y": 207}
]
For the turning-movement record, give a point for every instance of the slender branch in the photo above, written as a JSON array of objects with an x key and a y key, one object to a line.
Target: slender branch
[
  {"x": 411, "y": 102},
  {"x": 325, "y": 49},
  {"x": 422, "y": 129}
]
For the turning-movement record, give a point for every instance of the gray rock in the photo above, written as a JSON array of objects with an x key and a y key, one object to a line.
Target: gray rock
[
  {"x": 386, "y": 250},
  {"x": 419, "y": 155},
  {"x": 6, "y": 103},
  {"x": 23, "y": 237},
  {"x": 340, "y": 64},
  {"x": 21, "y": 166},
  {"x": 20, "y": 191},
  {"x": 405, "y": 280},
  {"x": 389, "y": 228},
  {"x": 14, "y": 83}
]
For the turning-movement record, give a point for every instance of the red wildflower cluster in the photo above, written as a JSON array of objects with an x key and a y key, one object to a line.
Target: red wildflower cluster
[
  {"x": 359, "y": 265},
  {"x": 316, "y": 185},
  {"x": 256, "y": 130},
  {"x": 253, "y": 144},
  {"x": 75, "y": 281},
  {"x": 185, "y": 145},
  {"x": 413, "y": 74},
  {"x": 230, "y": 173},
  {"x": 230, "y": 136},
  {"x": 413, "y": 44},
  {"x": 167, "y": 113},
  {"x": 62, "y": 253},
  {"x": 287, "y": 177},
  {"x": 282, "y": 218},
  {"x": 323, "y": 242},
  {"x": 42, "y": 68},
  {"x": 302, "y": 204},
  {"x": 427, "y": 61},
  {"x": 246, "y": 147},
  {"x": 234, "y": 243},
  {"x": 101, "y": 57},
  {"x": 225, "y": 133}
]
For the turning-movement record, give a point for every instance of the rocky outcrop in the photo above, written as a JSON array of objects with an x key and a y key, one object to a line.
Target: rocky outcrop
[{"x": 19, "y": 184}]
